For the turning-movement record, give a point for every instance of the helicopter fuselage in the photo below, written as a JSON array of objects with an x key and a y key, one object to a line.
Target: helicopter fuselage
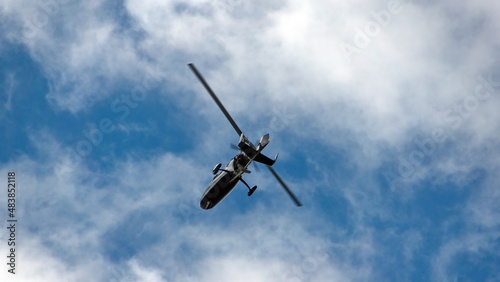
[{"x": 222, "y": 184}]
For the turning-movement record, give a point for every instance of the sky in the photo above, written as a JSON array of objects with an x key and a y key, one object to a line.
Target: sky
[{"x": 384, "y": 113}]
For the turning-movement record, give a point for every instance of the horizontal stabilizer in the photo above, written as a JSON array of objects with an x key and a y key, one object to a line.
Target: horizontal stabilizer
[{"x": 265, "y": 160}]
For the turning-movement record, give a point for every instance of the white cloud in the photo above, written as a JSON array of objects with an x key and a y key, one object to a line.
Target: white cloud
[
  {"x": 260, "y": 58},
  {"x": 79, "y": 47},
  {"x": 69, "y": 214},
  {"x": 10, "y": 85},
  {"x": 444, "y": 264},
  {"x": 288, "y": 54}
]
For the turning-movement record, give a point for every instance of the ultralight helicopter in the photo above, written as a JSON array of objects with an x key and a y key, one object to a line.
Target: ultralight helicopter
[{"x": 226, "y": 178}]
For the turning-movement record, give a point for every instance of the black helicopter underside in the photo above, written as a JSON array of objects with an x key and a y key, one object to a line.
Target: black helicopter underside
[{"x": 218, "y": 189}]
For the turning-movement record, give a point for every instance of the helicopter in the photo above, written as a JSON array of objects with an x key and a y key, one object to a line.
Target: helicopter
[{"x": 226, "y": 179}]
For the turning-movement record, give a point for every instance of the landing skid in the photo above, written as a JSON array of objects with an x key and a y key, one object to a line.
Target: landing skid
[{"x": 250, "y": 190}]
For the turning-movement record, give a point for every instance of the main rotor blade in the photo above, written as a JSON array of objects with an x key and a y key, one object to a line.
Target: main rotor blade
[
  {"x": 290, "y": 193},
  {"x": 207, "y": 87}
]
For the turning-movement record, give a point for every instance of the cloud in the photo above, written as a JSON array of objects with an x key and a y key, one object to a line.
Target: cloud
[
  {"x": 81, "y": 49},
  {"x": 342, "y": 120},
  {"x": 382, "y": 94},
  {"x": 10, "y": 86},
  {"x": 140, "y": 220},
  {"x": 447, "y": 263},
  {"x": 400, "y": 84}
]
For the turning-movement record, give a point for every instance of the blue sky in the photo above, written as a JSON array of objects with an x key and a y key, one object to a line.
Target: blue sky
[{"x": 385, "y": 115}]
